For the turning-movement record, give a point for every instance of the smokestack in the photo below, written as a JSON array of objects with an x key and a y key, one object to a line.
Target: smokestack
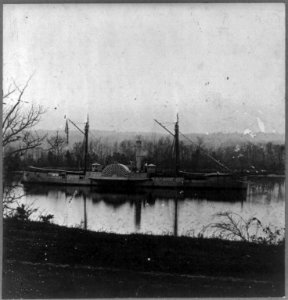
[{"x": 138, "y": 154}]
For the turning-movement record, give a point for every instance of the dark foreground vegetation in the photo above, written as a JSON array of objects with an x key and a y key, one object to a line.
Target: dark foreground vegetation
[{"x": 43, "y": 260}]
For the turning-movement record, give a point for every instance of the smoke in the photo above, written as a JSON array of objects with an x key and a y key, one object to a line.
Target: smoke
[{"x": 261, "y": 125}]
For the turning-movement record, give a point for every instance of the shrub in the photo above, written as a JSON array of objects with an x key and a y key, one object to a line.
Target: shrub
[
  {"x": 234, "y": 227},
  {"x": 23, "y": 212},
  {"x": 46, "y": 218}
]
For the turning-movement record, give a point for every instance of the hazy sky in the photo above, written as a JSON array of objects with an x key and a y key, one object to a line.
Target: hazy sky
[{"x": 221, "y": 66}]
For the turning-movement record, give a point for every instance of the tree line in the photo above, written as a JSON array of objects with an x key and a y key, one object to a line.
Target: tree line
[
  {"x": 246, "y": 157},
  {"x": 19, "y": 140},
  {"x": 20, "y": 144}
]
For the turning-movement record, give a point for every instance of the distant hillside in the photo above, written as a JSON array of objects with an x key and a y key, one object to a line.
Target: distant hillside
[
  {"x": 108, "y": 137},
  {"x": 216, "y": 140},
  {"x": 213, "y": 140}
]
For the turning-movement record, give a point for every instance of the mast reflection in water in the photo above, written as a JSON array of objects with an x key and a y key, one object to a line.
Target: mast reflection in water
[{"x": 157, "y": 211}]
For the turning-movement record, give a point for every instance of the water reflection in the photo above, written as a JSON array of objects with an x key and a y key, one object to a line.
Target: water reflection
[
  {"x": 85, "y": 212},
  {"x": 176, "y": 217},
  {"x": 157, "y": 211},
  {"x": 149, "y": 196}
]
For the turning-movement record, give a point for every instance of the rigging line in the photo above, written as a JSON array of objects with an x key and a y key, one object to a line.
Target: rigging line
[
  {"x": 164, "y": 127},
  {"x": 208, "y": 155},
  {"x": 76, "y": 126}
]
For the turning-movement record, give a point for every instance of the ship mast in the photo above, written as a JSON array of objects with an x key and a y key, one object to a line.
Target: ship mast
[
  {"x": 176, "y": 139},
  {"x": 86, "y": 144},
  {"x": 176, "y": 136},
  {"x": 85, "y": 133}
]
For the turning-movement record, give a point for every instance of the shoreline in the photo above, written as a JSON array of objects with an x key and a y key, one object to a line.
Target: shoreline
[{"x": 228, "y": 268}]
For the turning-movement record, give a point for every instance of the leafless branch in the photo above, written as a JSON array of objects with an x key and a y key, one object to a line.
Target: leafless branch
[
  {"x": 233, "y": 226},
  {"x": 56, "y": 143},
  {"x": 18, "y": 119}
]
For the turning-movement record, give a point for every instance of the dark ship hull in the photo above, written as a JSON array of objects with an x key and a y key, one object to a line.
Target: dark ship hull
[{"x": 132, "y": 180}]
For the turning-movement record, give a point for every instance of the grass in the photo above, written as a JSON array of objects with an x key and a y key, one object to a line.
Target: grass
[{"x": 41, "y": 243}]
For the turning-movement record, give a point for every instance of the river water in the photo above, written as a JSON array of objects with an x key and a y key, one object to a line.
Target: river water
[{"x": 156, "y": 211}]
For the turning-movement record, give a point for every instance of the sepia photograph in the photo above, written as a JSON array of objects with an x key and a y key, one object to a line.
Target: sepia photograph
[{"x": 143, "y": 150}]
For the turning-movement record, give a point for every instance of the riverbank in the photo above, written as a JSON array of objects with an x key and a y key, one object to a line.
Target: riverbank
[{"x": 49, "y": 261}]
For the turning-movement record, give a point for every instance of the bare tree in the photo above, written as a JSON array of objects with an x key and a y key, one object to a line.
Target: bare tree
[
  {"x": 17, "y": 137},
  {"x": 11, "y": 196},
  {"x": 57, "y": 144},
  {"x": 18, "y": 120}
]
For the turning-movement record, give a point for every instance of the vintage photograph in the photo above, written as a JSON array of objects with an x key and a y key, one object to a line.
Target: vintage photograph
[{"x": 143, "y": 150}]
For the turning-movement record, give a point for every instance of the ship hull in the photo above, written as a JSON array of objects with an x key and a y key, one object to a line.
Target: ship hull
[{"x": 217, "y": 181}]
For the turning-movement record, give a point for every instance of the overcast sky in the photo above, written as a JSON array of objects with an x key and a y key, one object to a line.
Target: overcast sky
[{"x": 221, "y": 66}]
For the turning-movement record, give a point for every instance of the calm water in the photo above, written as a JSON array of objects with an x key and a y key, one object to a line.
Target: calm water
[{"x": 156, "y": 211}]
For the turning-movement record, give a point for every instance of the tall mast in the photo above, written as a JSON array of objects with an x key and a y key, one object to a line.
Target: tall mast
[
  {"x": 176, "y": 139},
  {"x": 85, "y": 211},
  {"x": 85, "y": 133},
  {"x": 86, "y": 144},
  {"x": 177, "y": 161}
]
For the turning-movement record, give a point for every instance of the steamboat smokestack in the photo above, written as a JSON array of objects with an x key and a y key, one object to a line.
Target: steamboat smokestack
[{"x": 138, "y": 155}]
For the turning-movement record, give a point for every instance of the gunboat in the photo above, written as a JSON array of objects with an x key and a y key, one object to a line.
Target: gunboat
[{"x": 115, "y": 176}]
